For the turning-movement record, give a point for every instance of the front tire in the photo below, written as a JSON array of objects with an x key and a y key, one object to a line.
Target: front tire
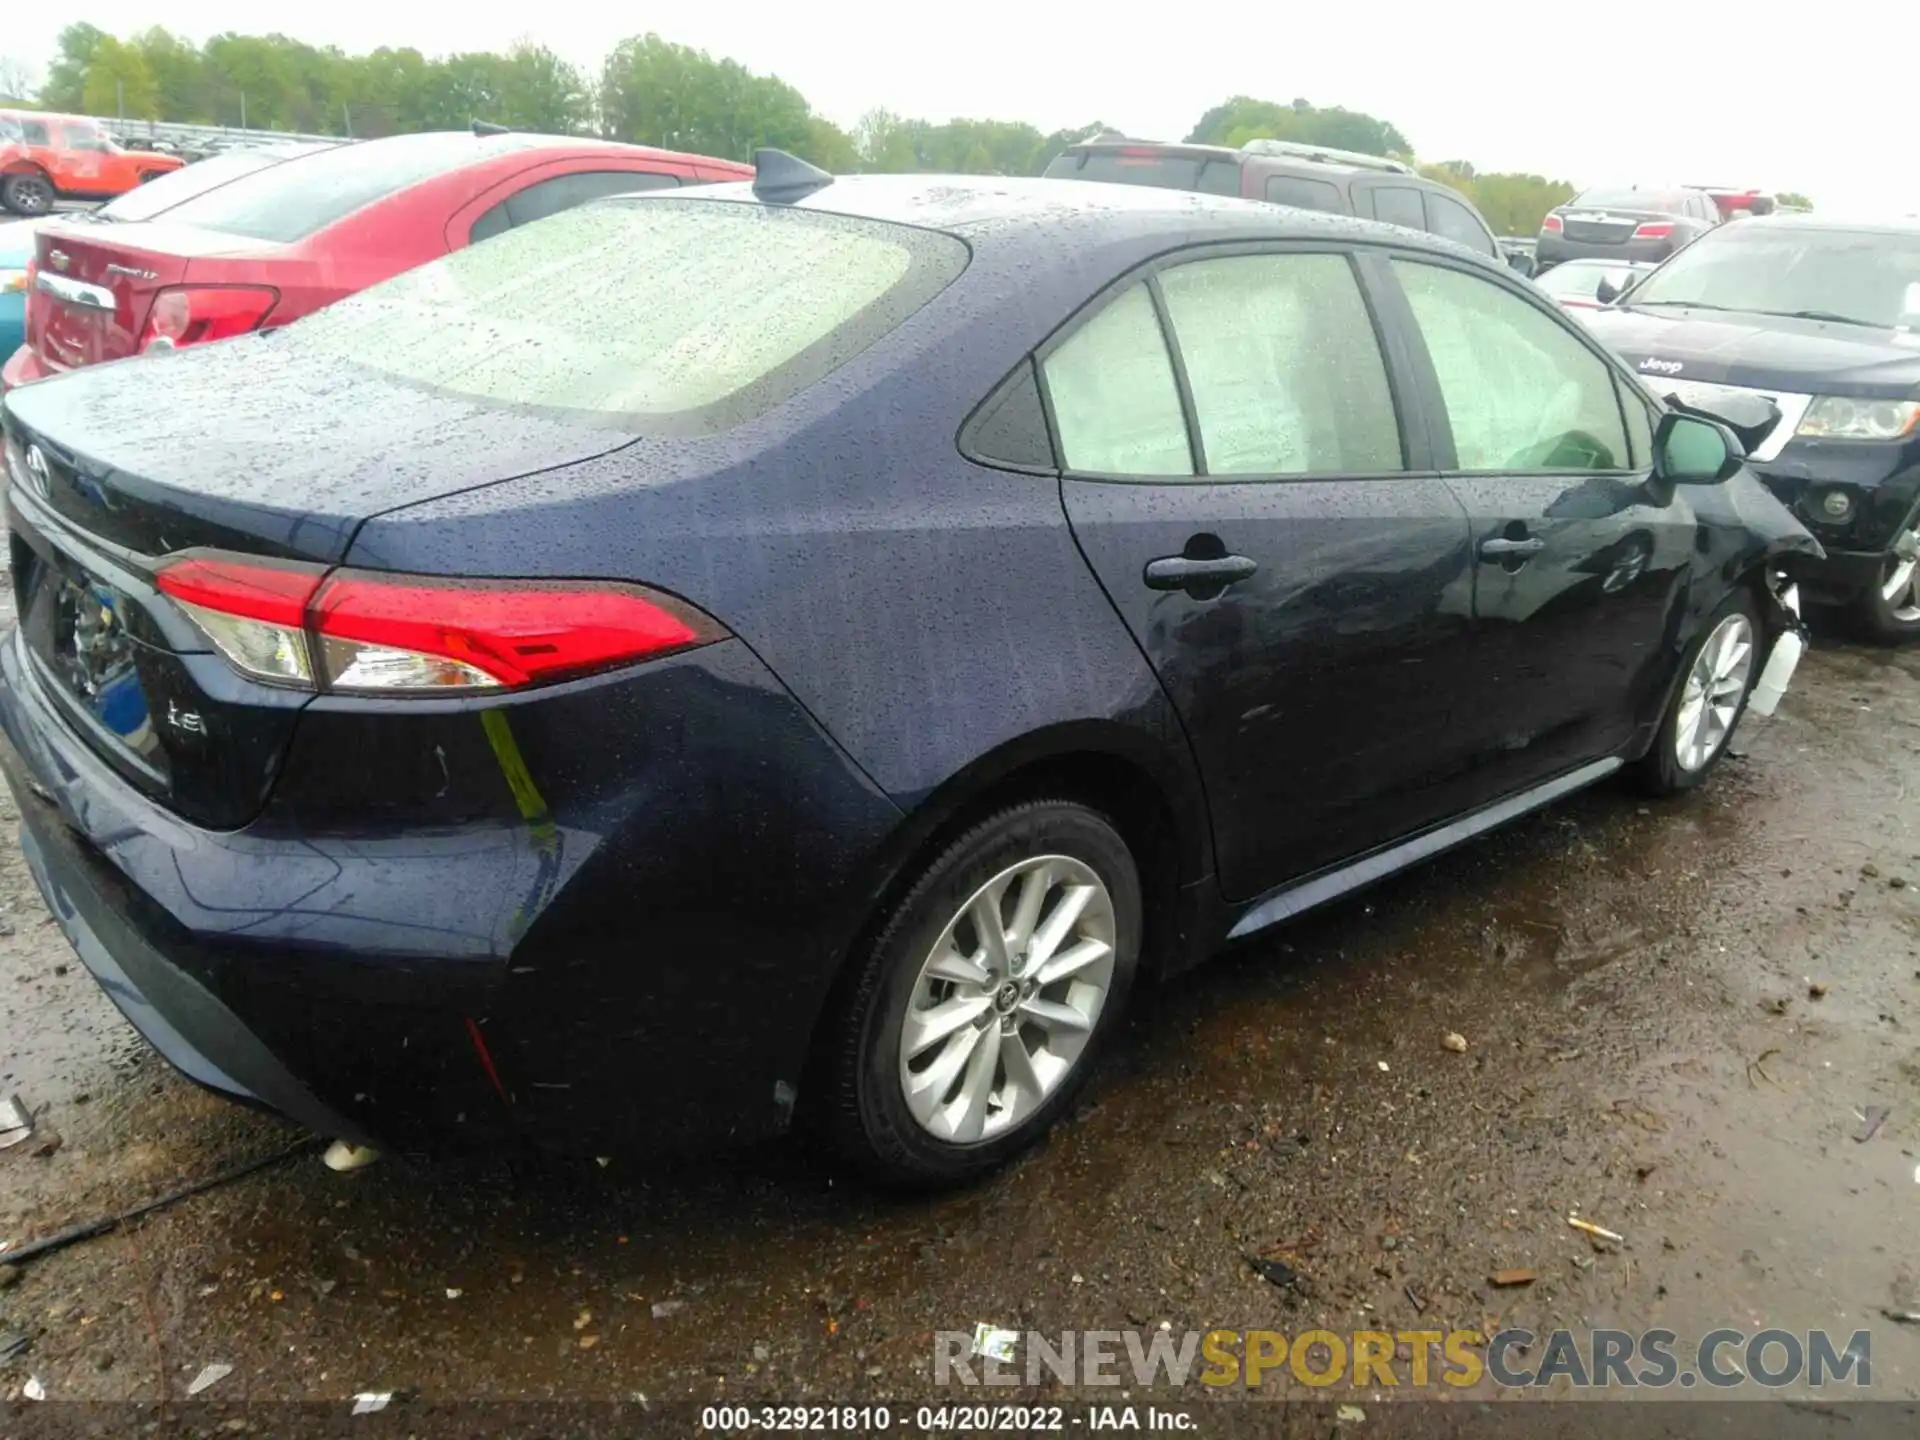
[
  {"x": 29, "y": 194},
  {"x": 1717, "y": 674},
  {"x": 1888, "y": 610},
  {"x": 984, "y": 1003}
]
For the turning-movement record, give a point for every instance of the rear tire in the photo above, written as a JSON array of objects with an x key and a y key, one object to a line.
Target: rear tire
[
  {"x": 29, "y": 194},
  {"x": 1888, "y": 610},
  {"x": 950, "y": 1051},
  {"x": 1717, "y": 674}
]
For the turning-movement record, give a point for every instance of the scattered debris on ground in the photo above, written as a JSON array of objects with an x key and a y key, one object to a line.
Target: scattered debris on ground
[
  {"x": 1454, "y": 1041},
  {"x": 209, "y": 1376},
  {"x": 1507, "y": 1278},
  {"x": 1871, "y": 1119},
  {"x": 990, "y": 1342},
  {"x": 1587, "y": 1227},
  {"x": 16, "y": 1122}
]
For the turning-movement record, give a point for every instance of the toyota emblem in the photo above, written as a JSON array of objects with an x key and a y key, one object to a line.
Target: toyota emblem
[
  {"x": 58, "y": 259},
  {"x": 39, "y": 478}
]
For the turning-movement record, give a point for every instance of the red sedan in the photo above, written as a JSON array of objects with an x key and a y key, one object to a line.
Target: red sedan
[{"x": 274, "y": 246}]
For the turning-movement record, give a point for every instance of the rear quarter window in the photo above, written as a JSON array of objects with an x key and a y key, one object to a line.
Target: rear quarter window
[
  {"x": 662, "y": 316},
  {"x": 289, "y": 202}
]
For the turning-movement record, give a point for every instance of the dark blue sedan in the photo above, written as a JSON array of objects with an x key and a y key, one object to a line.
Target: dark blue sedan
[{"x": 807, "y": 649}]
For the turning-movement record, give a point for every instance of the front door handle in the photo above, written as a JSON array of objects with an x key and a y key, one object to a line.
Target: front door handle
[
  {"x": 1185, "y": 572},
  {"x": 1504, "y": 549}
]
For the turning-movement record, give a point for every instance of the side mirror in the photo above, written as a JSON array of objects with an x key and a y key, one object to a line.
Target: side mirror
[
  {"x": 1692, "y": 451},
  {"x": 1605, "y": 292},
  {"x": 1521, "y": 261}
]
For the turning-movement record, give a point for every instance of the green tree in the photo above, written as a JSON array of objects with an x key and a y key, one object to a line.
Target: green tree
[
  {"x": 179, "y": 70},
  {"x": 658, "y": 93},
  {"x": 1794, "y": 199},
  {"x": 1244, "y": 118},
  {"x": 540, "y": 91},
  {"x": 1512, "y": 203},
  {"x": 118, "y": 82},
  {"x": 67, "y": 76}
]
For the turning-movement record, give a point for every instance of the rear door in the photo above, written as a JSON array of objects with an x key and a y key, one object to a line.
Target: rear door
[
  {"x": 1580, "y": 555},
  {"x": 1237, "y": 474}
]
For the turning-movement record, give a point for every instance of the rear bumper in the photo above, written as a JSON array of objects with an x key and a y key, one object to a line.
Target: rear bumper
[
  {"x": 177, "y": 1015},
  {"x": 635, "y": 963}
]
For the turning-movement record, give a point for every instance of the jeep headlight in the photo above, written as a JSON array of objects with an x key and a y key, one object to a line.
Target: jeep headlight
[{"x": 1837, "y": 417}]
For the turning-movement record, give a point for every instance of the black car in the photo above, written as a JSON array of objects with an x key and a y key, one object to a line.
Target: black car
[
  {"x": 1625, "y": 224},
  {"x": 1286, "y": 172},
  {"x": 806, "y": 648},
  {"x": 1823, "y": 320}
]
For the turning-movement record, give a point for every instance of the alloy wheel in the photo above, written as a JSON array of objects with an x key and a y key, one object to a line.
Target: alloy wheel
[
  {"x": 30, "y": 196},
  {"x": 1007, "y": 999},
  {"x": 1715, "y": 686}
]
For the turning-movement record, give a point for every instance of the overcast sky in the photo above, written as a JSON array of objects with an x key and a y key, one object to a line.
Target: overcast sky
[{"x": 1689, "y": 91}]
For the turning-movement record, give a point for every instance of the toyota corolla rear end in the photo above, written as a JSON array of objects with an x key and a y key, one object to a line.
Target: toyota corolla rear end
[{"x": 407, "y": 853}]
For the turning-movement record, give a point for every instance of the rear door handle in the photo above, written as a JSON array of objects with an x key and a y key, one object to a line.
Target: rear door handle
[
  {"x": 1503, "y": 549},
  {"x": 1184, "y": 572}
]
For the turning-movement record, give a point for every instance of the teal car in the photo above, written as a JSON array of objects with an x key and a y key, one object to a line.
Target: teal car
[{"x": 16, "y": 248}]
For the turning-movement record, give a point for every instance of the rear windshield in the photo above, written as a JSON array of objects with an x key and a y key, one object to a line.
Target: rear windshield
[
  {"x": 1168, "y": 169},
  {"x": 285, "y": 203},
  {"x": 1666, "y": 202},
  {"x": 179, "y": 186},
  {"x": 664, "y": 316}
]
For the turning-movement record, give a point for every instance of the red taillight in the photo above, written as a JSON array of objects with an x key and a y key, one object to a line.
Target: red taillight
[
  {"x": 1653, "y": 230},
  {"x": 1551, "y": 224},
  {"x": 193, "y": 314},
  {"x": 369, "y": 632}
]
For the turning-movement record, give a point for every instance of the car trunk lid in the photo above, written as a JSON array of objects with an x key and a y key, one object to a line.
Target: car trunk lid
[
  {"x": 1608, "y": 226},
  {"x": 95, "y": 284},
  {"x": 111, "y": 470}
]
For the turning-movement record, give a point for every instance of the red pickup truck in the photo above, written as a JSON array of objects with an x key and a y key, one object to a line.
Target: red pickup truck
[{"x": 44, "y": 158}]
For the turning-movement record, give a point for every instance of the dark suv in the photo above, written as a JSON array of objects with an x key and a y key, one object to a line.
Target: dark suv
[
  {"x": 1625, "y": 224},
  {"x": 1312, "y": 177}
]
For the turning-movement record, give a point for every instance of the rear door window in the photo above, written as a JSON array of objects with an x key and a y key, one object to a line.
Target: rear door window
[
  {"x": 1399, "y": 205},
  {"x": 1453, "y": 221},
  {"x": 289, "y": 202},
  {"x": 1287, "y": 377},
  {"x": 1306, "y": 192},
  {"x": 34, "y": 132}
]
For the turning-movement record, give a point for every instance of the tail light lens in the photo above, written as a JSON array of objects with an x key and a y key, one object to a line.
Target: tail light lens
[
  {"x": 365, "y": 632},
  {"x": 1551, "y": 225},
  {"x": 1653, "y": 230},
  {"x": 193, "y": 314}
]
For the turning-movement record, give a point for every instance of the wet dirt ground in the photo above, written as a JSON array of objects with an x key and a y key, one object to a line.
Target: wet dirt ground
[{"x": 1636, "y": 983}]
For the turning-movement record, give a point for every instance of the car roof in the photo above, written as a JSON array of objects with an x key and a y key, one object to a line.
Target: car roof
[
  {"x": 1305, "y": 163},
  {"x": 1070, "y": 215}
]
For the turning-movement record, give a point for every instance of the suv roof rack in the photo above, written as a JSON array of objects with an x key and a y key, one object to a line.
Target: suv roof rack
[{"x": 1326, "y": 154}]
